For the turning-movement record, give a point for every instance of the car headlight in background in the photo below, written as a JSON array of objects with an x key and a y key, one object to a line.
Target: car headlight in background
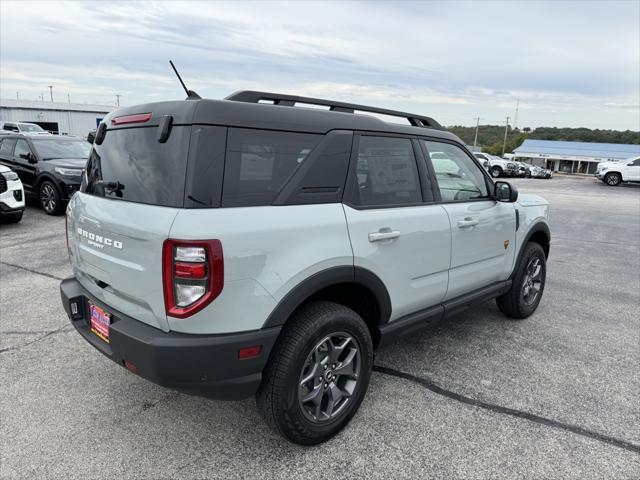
[
  {"x": 69, "y": 172},
  {"x": 10, "y": 175}
]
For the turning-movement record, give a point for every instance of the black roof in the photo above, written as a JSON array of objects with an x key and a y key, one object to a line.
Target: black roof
[{"x": 243, "y": 110}]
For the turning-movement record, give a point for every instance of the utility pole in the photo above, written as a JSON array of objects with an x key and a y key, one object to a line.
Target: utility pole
[
  {"x": 506, "y": 130},
  {"x": 18, "y": 96},
  {"x": 69, "y": 97},
  {"x": 118, "y": 99},
  {"x": 515, "y": 119},
  {"x": 475, "y": 138},
  {"x": 51, "y": 92}
]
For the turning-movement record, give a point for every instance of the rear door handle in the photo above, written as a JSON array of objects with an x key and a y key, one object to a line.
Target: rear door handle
[
  {"x": 383, "y": 234},
  {"x": 468, "y": 222}
]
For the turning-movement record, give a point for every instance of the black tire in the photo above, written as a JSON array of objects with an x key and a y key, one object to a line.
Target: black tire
[
  {"x": 11, "y": 218},
  {"x": 50, "y": 198},
  {"x": 516, "y": 303},
  {"x": 495, "y": 172},
  {"x": 279, "y": 397},
  {"x": 613, "y": 179}
]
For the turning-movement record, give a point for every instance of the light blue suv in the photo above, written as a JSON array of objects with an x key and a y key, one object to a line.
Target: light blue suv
[{"x": 257, "y": 246}]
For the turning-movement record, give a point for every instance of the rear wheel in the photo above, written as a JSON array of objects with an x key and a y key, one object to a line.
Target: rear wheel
[
  {"x": 50, "y": 198},
  {"x": 613, "y": 179},
  {"x": 496, "y": 172},
  {"x": 318, "y": 373},
  {"x": 527, "y": 285}
]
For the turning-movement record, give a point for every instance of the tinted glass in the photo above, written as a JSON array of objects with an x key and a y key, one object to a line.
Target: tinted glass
[
  {"x": 6, "y": 147},
  {"x": 22, "y": 148},
  {"x": 259, "y": 163},
  {"x": 386, "y": 172},
  {"x": 636, "y": 163},
  {"x": 48, "y": 148},
  {"x": 458, "y": 176},
  {"x": 132, "y": 165}
]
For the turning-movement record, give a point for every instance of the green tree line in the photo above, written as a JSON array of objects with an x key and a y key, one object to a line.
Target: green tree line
[{"x": 490, "y": 137}]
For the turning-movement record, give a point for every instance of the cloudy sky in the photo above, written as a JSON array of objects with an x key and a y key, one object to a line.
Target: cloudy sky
[{"x": 569, "y": 63}]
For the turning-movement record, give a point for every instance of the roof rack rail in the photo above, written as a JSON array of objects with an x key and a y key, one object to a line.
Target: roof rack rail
[{"x": 250, "y": 96}]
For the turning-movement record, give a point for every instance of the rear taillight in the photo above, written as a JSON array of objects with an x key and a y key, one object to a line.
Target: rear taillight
[{"x": 192, "y": 274}]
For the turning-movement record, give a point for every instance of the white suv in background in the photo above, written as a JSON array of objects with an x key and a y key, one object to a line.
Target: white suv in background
[
  {"x": 614, "y": 173},
  {"x": 11, "y": 196},
  {"x": 497, "y": 166},
  {"x": 23, "y": 127}
]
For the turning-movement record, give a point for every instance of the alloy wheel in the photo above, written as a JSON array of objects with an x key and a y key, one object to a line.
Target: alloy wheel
[
  {"x": 48, "y": 197},
  {"x": 532, "y": 282},
  {"x": 329, "y": 377}
]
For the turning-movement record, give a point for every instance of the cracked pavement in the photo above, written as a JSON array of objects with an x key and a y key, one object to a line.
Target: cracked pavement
[{"x": 68, "y": 412}]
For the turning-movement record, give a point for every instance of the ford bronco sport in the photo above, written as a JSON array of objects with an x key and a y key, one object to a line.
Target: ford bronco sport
[{"x": 254, "y": 245}]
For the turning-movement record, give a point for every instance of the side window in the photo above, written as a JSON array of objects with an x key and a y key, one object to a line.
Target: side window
[
  {"x": 636, "y": 163},
  {"x": 6, "y": 148},
  {"x": 458, "y": 176},
  {"x": 22, "y": 149},
  {"x": 259, "y": 163},
  {"x": 386, "y": 172}
]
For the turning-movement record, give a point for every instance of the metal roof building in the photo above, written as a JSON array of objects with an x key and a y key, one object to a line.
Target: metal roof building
[
  {"x": 68, "y": 118},
  {"x": 573, "y": 157}
]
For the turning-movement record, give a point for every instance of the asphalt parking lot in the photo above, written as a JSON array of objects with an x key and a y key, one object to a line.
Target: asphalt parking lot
[{"x": 480, "y": 396}]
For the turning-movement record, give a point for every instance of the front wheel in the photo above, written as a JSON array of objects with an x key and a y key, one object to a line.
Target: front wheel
[
  {"x": 613, "y": 179},
  {"x": 496, "y": 172},
  {"x": 527, "y": 285},
  {"x": 318, "y": 373},
  {"x": 50, "y": 198}
]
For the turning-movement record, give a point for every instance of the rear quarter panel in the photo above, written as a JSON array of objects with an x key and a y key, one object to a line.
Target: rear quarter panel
[{"x": 267, "y": 252}]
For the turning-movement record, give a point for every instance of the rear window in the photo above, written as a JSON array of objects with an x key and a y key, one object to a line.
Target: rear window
[
  {"x": 132, "y": 165},
  {"x": 259, "y": 163}
]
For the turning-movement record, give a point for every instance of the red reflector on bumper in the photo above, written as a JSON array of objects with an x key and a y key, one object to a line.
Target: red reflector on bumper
[
  {"x": 130, "y": 366},
  {"x": 249, "y": 352}
]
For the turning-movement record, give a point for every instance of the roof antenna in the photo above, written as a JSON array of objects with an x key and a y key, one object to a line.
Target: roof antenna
[{"x": 191, "y": 95}]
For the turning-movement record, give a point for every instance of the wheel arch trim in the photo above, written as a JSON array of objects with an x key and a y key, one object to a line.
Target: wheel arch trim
[{"x": 327, "y": 278}]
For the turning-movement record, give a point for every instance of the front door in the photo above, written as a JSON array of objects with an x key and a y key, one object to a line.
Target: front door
[
  {"x": 397, "y": 232},
  {"x": 24, "y": 164},
  {"x": 482, "y": 229}
]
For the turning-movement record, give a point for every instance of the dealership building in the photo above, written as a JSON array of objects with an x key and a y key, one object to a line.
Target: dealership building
[
  {"x": 573, "y": 157},
  {"x": 57, "y": 117}
]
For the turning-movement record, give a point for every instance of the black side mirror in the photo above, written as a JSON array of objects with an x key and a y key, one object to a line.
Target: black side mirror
[
  {"x": 505, "y": 192},
  {"x": 29, "y": 157}
]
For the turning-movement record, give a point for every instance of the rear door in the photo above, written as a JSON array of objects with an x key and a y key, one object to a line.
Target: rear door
[
  {"x": 483, "y": 230},
  {"x": 396, "y": 230},
  {"x": 132, "y": 191},
  {"x": 633, "y": 170}
]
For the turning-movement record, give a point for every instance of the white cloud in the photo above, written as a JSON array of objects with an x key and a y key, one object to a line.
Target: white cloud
[{"x": 570, "y": 63}]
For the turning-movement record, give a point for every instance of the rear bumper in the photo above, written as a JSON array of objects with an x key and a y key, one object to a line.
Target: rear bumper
[{"x": 206, "y": 365}]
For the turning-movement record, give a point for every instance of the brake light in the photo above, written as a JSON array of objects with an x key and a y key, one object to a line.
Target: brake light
[
  {"x": 135, "y": 118},
  {"x": 192, "y": 275}
]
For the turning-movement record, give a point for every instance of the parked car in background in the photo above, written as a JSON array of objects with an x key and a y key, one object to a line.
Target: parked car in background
[
  {"x": 614, "y": 173},
  {"x": 11, "y": 196},
  {"x": 50, "y": 166},
  {"x": 497, "y": 166},
  {"x": 23, "y": 127},
  {"x": 539, "y": 172},
  {"x": 525, "y": 169}
]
